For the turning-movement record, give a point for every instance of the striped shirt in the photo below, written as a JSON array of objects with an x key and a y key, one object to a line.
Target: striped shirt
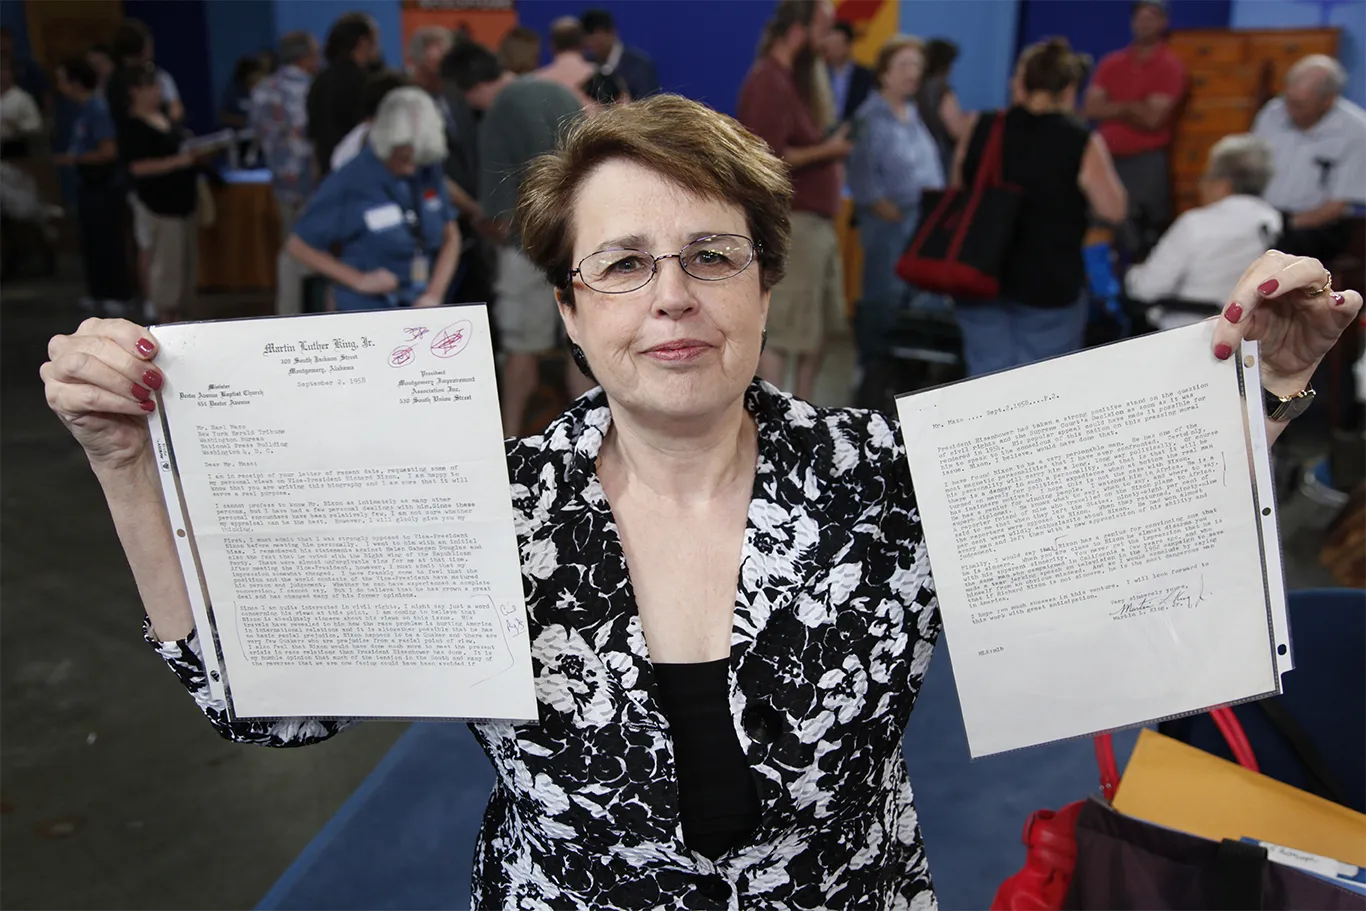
[{"x": 1324, "y": 163}]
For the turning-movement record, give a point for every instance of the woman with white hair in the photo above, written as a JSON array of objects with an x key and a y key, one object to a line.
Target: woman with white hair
[
  {"x": 1197, "y": 263},
  {"x": 382, "y": 228}
]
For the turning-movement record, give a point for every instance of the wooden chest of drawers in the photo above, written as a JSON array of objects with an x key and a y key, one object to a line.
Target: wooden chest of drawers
[{"x": 1231, "y": 74}]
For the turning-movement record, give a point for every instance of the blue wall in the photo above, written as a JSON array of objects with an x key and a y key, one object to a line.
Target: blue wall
[
  {"x": 702, "y": 48},
  {"x": 985, "y": 35},
  {"x": 180, "y": 32},
  {"x": 236, "y": 29},
  {"x": 1099, "y": 28},
  {"x": 1348, "y": 15},
  {"x": 317, "y": 16}
]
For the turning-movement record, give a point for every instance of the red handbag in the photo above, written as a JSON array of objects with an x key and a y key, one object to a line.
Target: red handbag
[
  {"x": 1050, "y": 835},
  {"x": 961, "y": 244}
]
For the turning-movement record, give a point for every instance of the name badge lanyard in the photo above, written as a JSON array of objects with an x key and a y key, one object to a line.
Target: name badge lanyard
[{"x": 418, "y": 272}]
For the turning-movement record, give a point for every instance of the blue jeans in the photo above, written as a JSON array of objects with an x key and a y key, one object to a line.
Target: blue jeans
[
  {"x": 998, "y": 335},
  {"x": 883, "y": 293}
]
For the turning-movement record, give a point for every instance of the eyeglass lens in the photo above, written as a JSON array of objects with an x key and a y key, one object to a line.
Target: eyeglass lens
[{"x": 709, "y": 259}]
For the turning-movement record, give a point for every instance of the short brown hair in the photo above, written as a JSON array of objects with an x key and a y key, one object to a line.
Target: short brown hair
[
  {"x": 705, "y": 152},
  {"x": 1051, "y": 66},
  {"x": 520, "y": 50},
  {"x": 895, "y": 45}
]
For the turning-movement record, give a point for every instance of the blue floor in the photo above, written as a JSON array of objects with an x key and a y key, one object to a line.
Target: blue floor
[{"x": 405, "y": 838}]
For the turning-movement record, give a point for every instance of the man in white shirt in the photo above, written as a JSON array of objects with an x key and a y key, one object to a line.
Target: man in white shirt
[
  {"x": 1197, "y": 263},
  {"x": 1318, "y": 142}
]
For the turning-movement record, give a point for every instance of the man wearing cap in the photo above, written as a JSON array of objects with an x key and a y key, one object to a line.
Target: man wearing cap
[
  {"x": 1318, "y": 144},
  {"x": 1133, "y": 98}
]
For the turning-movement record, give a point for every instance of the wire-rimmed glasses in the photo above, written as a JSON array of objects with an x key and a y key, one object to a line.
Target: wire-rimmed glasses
[{"x": 713, "y": 258}]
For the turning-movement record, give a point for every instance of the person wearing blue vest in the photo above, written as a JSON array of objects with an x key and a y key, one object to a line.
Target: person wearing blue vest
[{"x": 382, "y": 227}]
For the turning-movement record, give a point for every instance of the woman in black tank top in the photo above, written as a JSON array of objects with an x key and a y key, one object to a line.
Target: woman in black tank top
[{"x": 1063, "y": 171}]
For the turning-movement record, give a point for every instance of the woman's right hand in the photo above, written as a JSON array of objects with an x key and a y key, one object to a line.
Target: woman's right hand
[
  {"x": 376, "y": 281},
  {"x": 99, "y": 381}
]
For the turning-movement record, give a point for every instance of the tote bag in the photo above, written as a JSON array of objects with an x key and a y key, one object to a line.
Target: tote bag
[{"x": 961, "y": 244}]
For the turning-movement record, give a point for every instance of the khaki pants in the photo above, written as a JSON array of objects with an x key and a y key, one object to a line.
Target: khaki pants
[
  {"x": 172, "y": 264},
  {"x": 808, "y": 304},
  {"x": 289, "y": 272}
]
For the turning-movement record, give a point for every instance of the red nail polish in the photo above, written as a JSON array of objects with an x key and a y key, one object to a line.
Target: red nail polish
[
  {"x": 145, "y": 347},
  {"x": 1222, "y": 351},
  {"x": 1338, "y": 299},
  {"x": 152, "y": 378},
  {"x": 1233, "y": 313},
  {"x": 148, "y": 406},
  {"x": 1269, "y": 286},
  {"x": 140, "y": 393}
]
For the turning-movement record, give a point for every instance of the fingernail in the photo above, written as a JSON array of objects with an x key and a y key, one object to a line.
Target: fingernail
[
  {"x": 145, "y": 347},
  {"x": 1338, "y": 299},
  {"x": 148, "y": 406},
  {"x": 1222, "y": 351},
  {"x": 152, "y": 378},
  {"x": 1233, "y": 313},
  {"x": 1269, "y": 286},
  {"x": 140, "y": 393}
]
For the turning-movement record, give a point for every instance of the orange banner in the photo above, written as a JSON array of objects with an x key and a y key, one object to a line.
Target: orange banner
[
  {"x": 486, "y": 21},
  {"x": 874, "y": 21}
]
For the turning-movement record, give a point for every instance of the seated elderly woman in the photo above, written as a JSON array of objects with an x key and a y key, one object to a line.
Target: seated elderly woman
[
  {"x": 1197, "y": 263},
  {"x": 730, "y": 603},
  {"x": 382, "y": 228}
]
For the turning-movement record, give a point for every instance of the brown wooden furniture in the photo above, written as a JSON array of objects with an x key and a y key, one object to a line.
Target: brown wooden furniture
[
  {"x": 238, "y": 252},
  {"x": 1231, "y": 74}
]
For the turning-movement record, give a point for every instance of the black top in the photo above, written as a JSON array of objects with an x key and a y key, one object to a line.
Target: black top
[
  {"x": 334, "y": 108},
  {"x": 1042, "y": 156},
  {"x": 172, "y": 194},
  {"x": 928, "y": 101},
  {"x": 717, "y": 796}
]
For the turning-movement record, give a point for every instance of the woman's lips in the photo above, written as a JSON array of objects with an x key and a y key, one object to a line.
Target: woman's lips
[{"x": 686, "y": 349}]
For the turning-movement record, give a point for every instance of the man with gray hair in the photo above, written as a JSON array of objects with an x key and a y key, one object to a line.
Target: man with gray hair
[
  {"x": 279, "y": 117},
  {"x": 1318, "y": 143}
]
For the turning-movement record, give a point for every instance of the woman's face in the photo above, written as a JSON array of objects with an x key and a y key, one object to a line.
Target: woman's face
[
  {"x": 711, "y": 329},
  {"x": 402, "y": 162},
  {"x": 902, "y": 78}
]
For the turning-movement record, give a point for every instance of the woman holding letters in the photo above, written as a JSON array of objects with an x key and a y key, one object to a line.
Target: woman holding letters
[{"x": 731, "y": 608}]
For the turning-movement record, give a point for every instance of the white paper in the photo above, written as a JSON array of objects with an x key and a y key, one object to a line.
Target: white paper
[
  {"x": 342, "y": 484},
  {"x": 1099, "y": 527}
]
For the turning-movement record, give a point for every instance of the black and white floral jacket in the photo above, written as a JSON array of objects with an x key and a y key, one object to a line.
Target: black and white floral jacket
[{"x": 835, "y": 620}]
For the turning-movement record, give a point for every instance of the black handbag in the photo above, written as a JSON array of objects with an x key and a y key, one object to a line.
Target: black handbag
[{"x": 960, "y": 247}]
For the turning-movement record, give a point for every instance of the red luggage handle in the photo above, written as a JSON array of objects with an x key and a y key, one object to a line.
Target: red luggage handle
[{"x": 1223, "y": 718}]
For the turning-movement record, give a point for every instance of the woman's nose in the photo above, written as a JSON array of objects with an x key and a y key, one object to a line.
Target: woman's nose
[{"x": 674, "y": 289}]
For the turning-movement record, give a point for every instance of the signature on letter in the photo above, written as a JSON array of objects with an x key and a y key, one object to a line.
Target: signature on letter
[
  {"x": 416, "y": 332},
  {"x": 1164, "y": 599}
]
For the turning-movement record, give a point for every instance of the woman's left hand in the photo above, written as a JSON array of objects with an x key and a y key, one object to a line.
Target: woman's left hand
[{"x": 1279, "y": 303}]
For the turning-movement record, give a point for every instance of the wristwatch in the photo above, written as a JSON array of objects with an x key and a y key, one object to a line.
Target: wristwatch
[{"x": 1284, "y": 408}]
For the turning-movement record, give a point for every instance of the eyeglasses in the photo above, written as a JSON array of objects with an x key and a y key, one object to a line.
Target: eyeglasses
[{"x": 714, "y": 258}]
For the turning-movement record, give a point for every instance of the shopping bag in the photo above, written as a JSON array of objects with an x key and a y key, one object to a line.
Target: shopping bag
[{"x": 961, "y": 244}]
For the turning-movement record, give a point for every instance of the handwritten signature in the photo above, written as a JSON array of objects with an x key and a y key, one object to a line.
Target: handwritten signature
[
  {"x": 416, "y": 332},
  {"x": 1174, "y": 598},
  {"x": 401, "y": 356},
  {"x": 452, "y": 340}
]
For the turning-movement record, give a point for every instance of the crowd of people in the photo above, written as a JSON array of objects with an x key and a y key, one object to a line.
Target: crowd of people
[{"x": 396, "y": 186}]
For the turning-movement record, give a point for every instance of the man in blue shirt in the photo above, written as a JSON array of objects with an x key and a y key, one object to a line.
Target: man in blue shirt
[
  {"x": 382, "y": 227},
  {"x": 100, "y": 192}
]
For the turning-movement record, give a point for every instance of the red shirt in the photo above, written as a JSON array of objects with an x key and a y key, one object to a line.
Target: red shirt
[
  {"x": 771, "y": 108},
  {"x": 1126, "y": 77}
]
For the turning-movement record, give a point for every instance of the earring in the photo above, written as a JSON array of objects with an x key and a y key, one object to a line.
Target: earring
[
  {"x": 580, "y": 361},
  {"x": 763, "y": 341}
]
